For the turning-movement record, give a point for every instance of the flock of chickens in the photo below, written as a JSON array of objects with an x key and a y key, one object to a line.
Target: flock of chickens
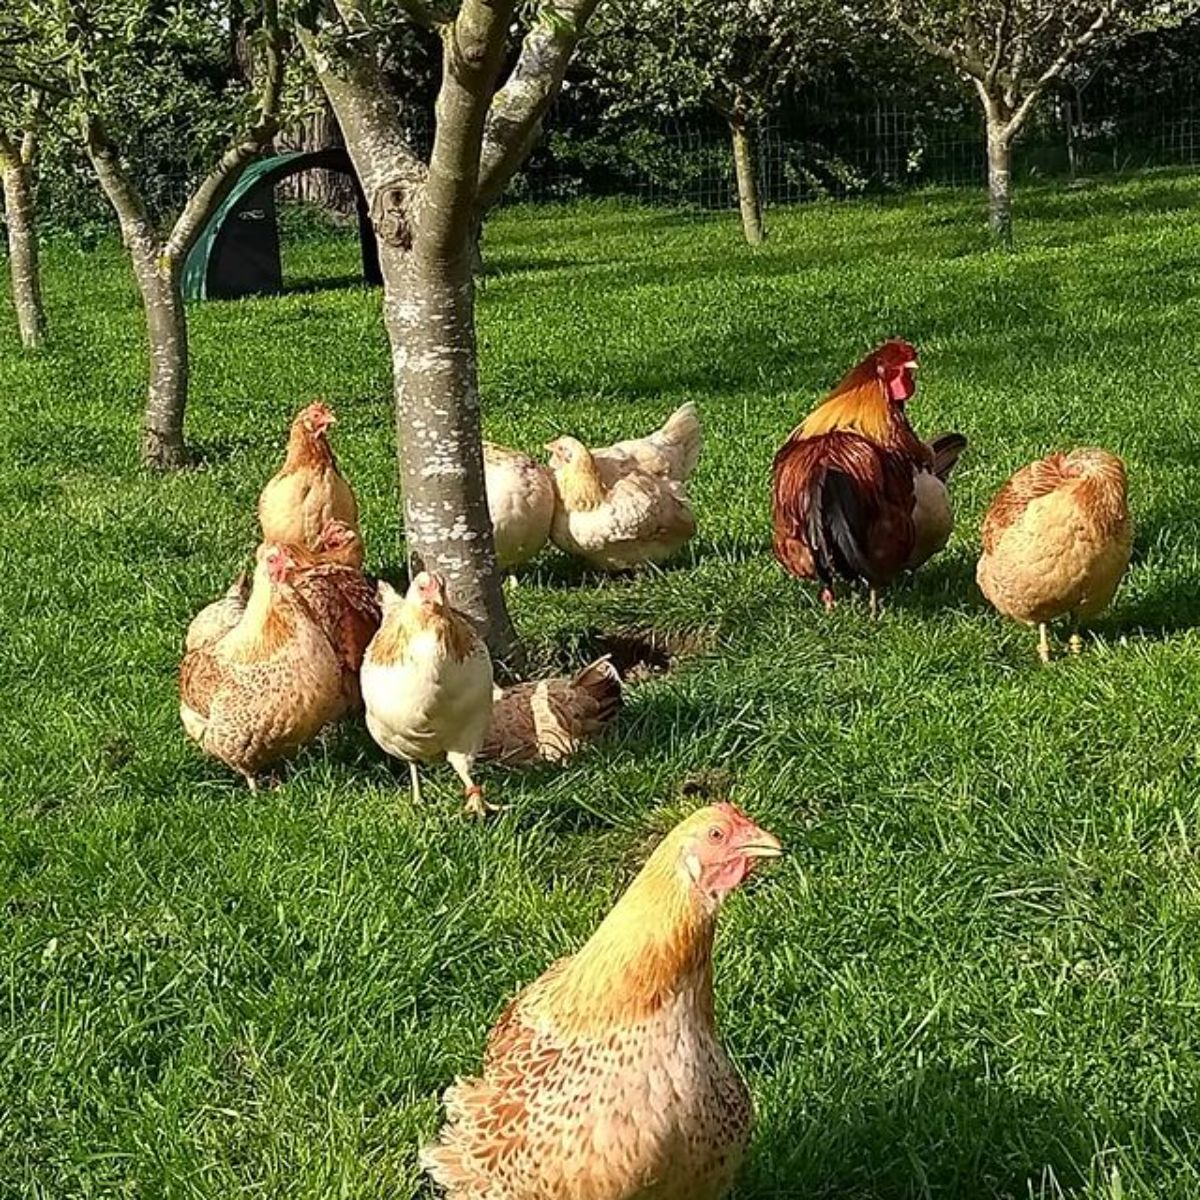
[{"x": 605, "y": 1079}]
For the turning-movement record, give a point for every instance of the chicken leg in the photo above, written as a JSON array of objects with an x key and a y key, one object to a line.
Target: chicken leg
[
  {"x": 477, "y": 806},
  {"x": 1044, "y": 642},
  {"x": 876, "y": 607},
  {"x": 1076, "y": 642},
  {"x": 415, "y": 777}
]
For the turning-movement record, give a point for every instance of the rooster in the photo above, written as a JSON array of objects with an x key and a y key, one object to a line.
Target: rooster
[
  {"x": 268, "y": 685},
  {"x": 308, "y": 491},
  {"x": 1057, "y": 540},
  {"x": 606, "y": 1079},
  {"x": 857, "y": 495},
  {"x": 552, "y": 719},
  {"x": 427, "y": 684}
]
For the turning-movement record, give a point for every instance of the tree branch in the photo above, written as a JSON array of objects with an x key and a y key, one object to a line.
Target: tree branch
[
  {"x": 1001, "y": 44},
  {"x": 370, "y": 116},
  {"x": 515, "y": 115},
  {"x": 216, "y": 185},
  {"x": 473, "y": 47},
  {"x": 962, "y": 59},
  {"x": 137, "y": 229},
  {"x": 1070, "y": 52}
]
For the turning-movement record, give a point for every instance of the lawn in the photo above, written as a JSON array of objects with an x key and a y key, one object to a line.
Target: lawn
[{"x": 977, "y": 974}]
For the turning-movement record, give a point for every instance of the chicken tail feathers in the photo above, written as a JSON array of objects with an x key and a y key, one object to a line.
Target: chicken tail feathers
[
  {"x": 601, "y": 682},
  {"x": 682, "y": 429},
  {"x": 947, "y": 448},
  {"x": 838, "y": 528}
]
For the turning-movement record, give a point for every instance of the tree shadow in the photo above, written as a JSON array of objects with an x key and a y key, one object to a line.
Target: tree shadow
[
  {"x": 943, "y": 1133},
  {"x": 305, "y": 285}
]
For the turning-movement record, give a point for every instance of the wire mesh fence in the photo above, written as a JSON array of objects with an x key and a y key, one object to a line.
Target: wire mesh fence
[{"x": 825, "y": 149}]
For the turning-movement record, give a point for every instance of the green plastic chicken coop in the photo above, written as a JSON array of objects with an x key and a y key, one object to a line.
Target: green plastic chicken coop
[{"x": 237, "y": 252}]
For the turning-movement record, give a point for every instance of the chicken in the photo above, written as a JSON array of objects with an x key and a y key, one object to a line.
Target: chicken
[
  {"x": 427, "y": 684},
  {"x": 340, "y": 599},
  {"x": 856, "y": 494},
  {"x": 640, "y": 518},
  {"x": 670, "y": 452},
  {"x": 605, "y": 1079},
  {"x": 1057, "y": 540},
  {"x": 520, "y": 496},
  {"x": 269, "y": 684},
  {"x": 215, "y": 620},
  {"x": 552, "y": 719},
  {"x": 308, "y": 491}
]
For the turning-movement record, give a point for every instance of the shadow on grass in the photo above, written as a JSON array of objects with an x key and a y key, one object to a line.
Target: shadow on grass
[{"x": 945, "y": 1133}]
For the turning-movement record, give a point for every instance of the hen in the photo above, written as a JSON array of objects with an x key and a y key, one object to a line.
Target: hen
[
  {"x": 670, "y": 452},
  {"x": 269, "y": 684},
  {"x": 215, "y": 620},
  {"x": 520, "y": 496},
  {"x": 551, "y": 719},
  {"x": 340, "y": 599},
  {"x": 856, "y": 494},
  {"x": 427, "y": 684},
  {"x": 1057, "y": 540},
  {"x": 639, "y": 518},
  {"x": 308, "y": 491},
  {"x": 606, "y": 1079}
]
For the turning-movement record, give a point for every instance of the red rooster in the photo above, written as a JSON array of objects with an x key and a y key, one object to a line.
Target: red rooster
[{"x": 856, "y": 494}]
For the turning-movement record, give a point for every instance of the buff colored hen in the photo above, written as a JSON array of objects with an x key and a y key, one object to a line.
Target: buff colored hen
[
  {"x": 606, "y": 1079},
  {"x": 427, "y": 684},
  {"x": 520, "y": 496},
  {"x": 550, "y": 720},
  {"x": 640, "y": 518},
  {"x": 309, "y": 490},
  {"x": 267, "y": 686},
  {"x": 1057, "y": 541},
  {"x": 670, "y": 452}
]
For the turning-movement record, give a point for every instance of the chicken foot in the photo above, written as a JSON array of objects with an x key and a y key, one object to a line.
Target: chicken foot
[
  {"x": 477, "y": 806},
  {"x": 1044, "y": 642},
  {"x": 1076, "y": 642},
  {"x": 415, "y": 778},
  {"x": 876, "y": 605},
  {"x": 827, "y": 599}
]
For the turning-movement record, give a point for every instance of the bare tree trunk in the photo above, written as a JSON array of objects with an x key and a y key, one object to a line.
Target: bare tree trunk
[
  {"x": 22, "y": 246},
  {"x": 158, "y": 280},
  {"x": 430, "y": 317},
  {"x": 999, "y": 152},
  {"x": 745, "y": 163}
]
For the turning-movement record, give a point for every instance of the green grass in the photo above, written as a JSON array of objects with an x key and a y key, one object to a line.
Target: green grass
[{"x": 978, "y": 975}]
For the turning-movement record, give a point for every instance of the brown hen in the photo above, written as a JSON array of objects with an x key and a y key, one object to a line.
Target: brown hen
[
  {"x": 549, "y": 720},
  {"x": 268, "y": 685},
  {"x": 308, "y": 491},
  {"x": 606, "y": 1079},
  {"x": 1057, "y": 540}
]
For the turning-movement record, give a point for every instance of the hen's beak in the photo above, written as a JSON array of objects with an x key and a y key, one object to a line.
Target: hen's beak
[{"x": 763, "y": 846}]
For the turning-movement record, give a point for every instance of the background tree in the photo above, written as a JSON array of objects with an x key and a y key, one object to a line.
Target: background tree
[
  {"x": 134, "y": 65},
  {"x": 1013, "y": 51},
  {"x": 28, "y": 79},
  {"x": 734, "y": 57},
  {"x": 428, "y": 215}
]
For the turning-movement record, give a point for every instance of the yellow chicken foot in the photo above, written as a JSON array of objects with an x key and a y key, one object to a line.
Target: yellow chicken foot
[
  {"x": 1076, "y": 642},
  {"x": 477, "y": 806},
  {"x": 1044, "y": 642}
]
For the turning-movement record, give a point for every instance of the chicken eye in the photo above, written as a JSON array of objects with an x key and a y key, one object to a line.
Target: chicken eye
[{"x": 716, "y": 834}]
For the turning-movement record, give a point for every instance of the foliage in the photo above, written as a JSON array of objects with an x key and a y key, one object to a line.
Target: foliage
[
  {"x": 669, "y": 56},
  {"x": 976, "y": 975}
]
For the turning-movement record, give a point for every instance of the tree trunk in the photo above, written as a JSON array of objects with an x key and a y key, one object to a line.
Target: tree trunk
[
  {"x": 429, "y": 308},
  {"x": 745, "y": 162},
  {"x": 999, "y": 151},
  {"x": 23, "y": 251},
  {"x": 158, "y": 280}
]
